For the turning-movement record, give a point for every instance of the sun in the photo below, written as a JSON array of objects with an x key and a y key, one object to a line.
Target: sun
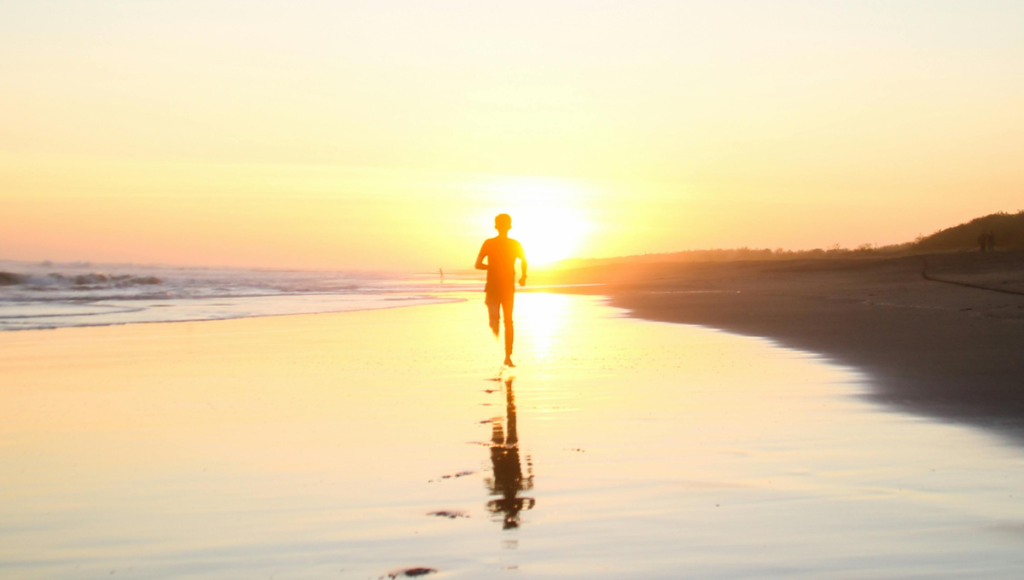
[
  {"x": 549, "y": 216},
  {"x": 550, "y": 234}
]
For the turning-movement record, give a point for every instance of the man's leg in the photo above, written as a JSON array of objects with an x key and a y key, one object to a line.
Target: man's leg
[
  {"x": 493, "y": 312},
  {"x": 506, "y": 305}
]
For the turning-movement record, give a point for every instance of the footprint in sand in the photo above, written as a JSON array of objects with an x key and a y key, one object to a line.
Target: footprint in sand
[
  {"x": 450, "y": 514},
  {"x": 409, "y": 573}
]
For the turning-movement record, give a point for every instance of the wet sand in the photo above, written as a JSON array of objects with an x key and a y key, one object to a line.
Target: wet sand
[
  {"x": 941, "y": 335},
  {"x": 391, "y": 443}
]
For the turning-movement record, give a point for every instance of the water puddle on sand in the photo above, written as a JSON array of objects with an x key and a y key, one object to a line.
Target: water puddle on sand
[{"x": 391, "y": 444}]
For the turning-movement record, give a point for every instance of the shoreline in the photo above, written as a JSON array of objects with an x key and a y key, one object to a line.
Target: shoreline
[
  {"x": 938, "y": 335},
  {"x": 415, "y": 299},
  {"x": 943, "y": 343}
]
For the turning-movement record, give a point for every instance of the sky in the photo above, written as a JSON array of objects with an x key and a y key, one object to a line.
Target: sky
[{"x": 386, "y": 135}]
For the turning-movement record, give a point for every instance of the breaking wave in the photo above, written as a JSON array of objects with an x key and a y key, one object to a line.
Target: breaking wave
[
  {"x": 47, "y": 295},
  {"x": 85, "y": 281}
]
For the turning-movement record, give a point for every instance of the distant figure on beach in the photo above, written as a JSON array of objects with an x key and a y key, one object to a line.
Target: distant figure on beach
[
  {"x": 983, "y": 241},
  {"x": 990, "y": 241},
  {"x": 501, "y": 253},
  {"x": 440, "y": 272}
]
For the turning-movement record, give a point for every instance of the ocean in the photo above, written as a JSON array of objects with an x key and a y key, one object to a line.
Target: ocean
[{"x": 57, "y": 295}]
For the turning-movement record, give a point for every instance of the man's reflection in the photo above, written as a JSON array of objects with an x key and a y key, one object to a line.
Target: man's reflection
[{"x": 508, "y": 478}]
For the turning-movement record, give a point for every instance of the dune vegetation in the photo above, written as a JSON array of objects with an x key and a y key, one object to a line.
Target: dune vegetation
[{"x": 1007, "y": 229}]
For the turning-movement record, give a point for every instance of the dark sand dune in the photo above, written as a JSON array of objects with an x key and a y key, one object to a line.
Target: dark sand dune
[{"x": 949, "y": 345}]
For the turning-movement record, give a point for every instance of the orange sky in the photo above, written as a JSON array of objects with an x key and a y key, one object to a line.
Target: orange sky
[{"x": 386, "y": 135}]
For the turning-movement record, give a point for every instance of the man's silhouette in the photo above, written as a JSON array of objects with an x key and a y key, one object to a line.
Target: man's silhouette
[{"x": 501, "y": 252}]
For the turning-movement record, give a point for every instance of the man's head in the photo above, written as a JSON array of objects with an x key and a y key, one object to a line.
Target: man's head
[{"x": 503, "y": 223}]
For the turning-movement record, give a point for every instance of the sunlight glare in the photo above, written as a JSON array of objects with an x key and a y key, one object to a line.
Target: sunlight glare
[
  {"x": 542, "y": 317},
  {"x": 549, "y": 216}
]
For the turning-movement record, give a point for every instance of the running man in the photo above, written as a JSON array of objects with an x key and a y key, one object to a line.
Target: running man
[{"x": 501, "y": 252}]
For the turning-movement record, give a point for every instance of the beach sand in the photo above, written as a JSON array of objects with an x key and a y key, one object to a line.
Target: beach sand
[
  {"x": 948, "y": 347},
  {"x": 363, "y": 444}
]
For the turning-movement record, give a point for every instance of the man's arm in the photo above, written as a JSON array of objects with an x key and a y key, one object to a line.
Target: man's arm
[
  {"x": 522, "y": 260},
  {"x": 480, "y": 257}
]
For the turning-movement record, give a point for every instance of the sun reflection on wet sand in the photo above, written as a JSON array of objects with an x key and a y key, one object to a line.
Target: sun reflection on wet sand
[
  {"x": 545, "y": 317},
  {"x": 362, "y": 443}
]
